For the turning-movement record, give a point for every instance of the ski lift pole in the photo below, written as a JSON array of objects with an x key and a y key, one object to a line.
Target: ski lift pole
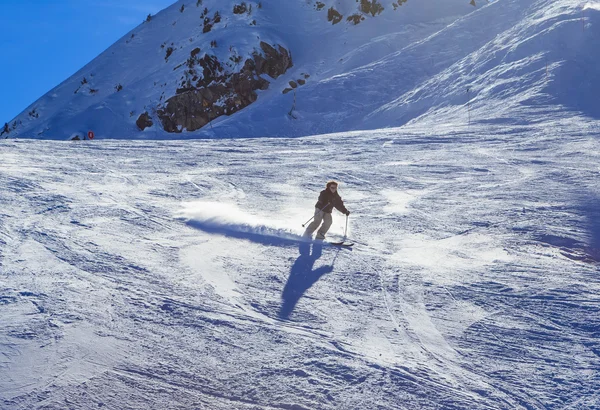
[{"x": 291, "y": 113}]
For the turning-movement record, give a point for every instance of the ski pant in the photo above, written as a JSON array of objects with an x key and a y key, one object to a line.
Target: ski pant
[{"x": 320, "y": 216}]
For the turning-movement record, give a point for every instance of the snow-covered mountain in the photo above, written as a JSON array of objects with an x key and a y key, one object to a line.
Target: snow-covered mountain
[
  {"x": 214, "y": 68},
  {"x": 140, "y": 274}
]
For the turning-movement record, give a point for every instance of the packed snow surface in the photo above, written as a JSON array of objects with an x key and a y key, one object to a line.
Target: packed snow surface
[{"x": 138, "y": 275}]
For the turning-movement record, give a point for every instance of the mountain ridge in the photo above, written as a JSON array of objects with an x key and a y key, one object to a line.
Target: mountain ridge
[{"x": 240, "y": 70}]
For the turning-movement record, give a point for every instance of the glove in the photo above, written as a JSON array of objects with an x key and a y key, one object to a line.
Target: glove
[{"x": 347, "y": 213}]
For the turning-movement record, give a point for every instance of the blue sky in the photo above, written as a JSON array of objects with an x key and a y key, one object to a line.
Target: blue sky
[{"x": 43, "y": 42}]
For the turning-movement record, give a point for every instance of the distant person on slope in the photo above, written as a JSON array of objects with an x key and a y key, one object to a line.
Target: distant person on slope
[{"x": 328, "y": 199}]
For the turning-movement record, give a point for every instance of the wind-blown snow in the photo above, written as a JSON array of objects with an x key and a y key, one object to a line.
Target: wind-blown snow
[{"x": 230, "y": 220}]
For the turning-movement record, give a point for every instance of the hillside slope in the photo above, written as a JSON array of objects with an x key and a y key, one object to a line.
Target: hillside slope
[
  {"x": 228, "y": 68},
  {"x": 171, "y": 275},
  {"x": 194, "y": 45},
  {"x": 542, "y": 60}
]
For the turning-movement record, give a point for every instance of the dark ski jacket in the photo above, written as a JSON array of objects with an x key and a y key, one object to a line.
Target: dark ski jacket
[{"x": 329, "y": 200}]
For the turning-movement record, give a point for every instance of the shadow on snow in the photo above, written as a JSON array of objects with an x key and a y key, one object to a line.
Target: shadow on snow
[
  {"x": 302, "y": 277},
  {"x": 592, "y": 214},
  {"x": 302, "y": 273},
  {"x": 586, "y": 248},
  {"x": 262, "y": 235}
]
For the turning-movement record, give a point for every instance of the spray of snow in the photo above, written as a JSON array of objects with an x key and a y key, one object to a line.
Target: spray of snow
[{"x": 230, "y": 220}]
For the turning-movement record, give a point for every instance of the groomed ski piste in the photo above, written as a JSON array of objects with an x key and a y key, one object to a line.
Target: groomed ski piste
[{"x": 172, "y": 275}]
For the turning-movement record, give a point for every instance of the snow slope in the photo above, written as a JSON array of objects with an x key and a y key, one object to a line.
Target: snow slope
[
  {"x": 535, "y": 59},
  {"x": 502, "y": 61},
  {"x": 138, "y": 61},
  {"x": 171, "y": 274},
  {"x": 154, "y": 275}
]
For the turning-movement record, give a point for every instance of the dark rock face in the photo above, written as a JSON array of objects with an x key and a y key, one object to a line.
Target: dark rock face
[
  {"x": 240, "y": 8},
  {"x": 191, "y": 110},
  {"x": 334, "y": 16},
  {"x": 208, "y": 23},
  {"x": 144, "y": 121},
  {"x": 217, "y": 93},
  {"x": 366, "y": 7},
  {"x": 356, "y": 18},
  {"x": 169, "y": 52},
  {"x": 372, "y": 7},
  {"x": 274, "y": 63},
  {"x": 398, "y": 3}
]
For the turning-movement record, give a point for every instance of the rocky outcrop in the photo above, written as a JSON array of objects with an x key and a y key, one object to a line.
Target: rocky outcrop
[
  {"x": 240, "y": 8},
  {"x": 334, "y": 16},
  {"x": 209, "y": 91},
  {"x": 356, "y": 18},
  {"x": 209, "y": 23},
  {"x": 144, "y": 121},
  {"x": 295, "y": 84},
  {"x": 274, "y": 63},
  {"x": 8, "y": 128},
  {"x": 365, "y": 7},
  {"x": 398, "y": 4},
  {"x": 372, "y": 7},
  {"x": 169, "y": 52}
]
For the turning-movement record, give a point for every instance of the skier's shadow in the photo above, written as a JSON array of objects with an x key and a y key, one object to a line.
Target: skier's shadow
[{"x": 302, "y": 277}]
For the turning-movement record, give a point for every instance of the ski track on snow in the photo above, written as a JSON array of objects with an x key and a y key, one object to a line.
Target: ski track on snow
[{"x": 172, "y": 274}]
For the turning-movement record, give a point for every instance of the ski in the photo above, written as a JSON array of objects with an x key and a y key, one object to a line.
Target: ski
[{"x": 344, "y": 244}]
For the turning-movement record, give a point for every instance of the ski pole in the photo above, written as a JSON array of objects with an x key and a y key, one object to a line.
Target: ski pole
[
  {"x": 311, "y": 218},
  {"x": 346, "y": 228}
]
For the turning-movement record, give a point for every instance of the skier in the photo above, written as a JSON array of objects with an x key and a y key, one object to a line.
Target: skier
[{"x": 328, "y": 199}]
